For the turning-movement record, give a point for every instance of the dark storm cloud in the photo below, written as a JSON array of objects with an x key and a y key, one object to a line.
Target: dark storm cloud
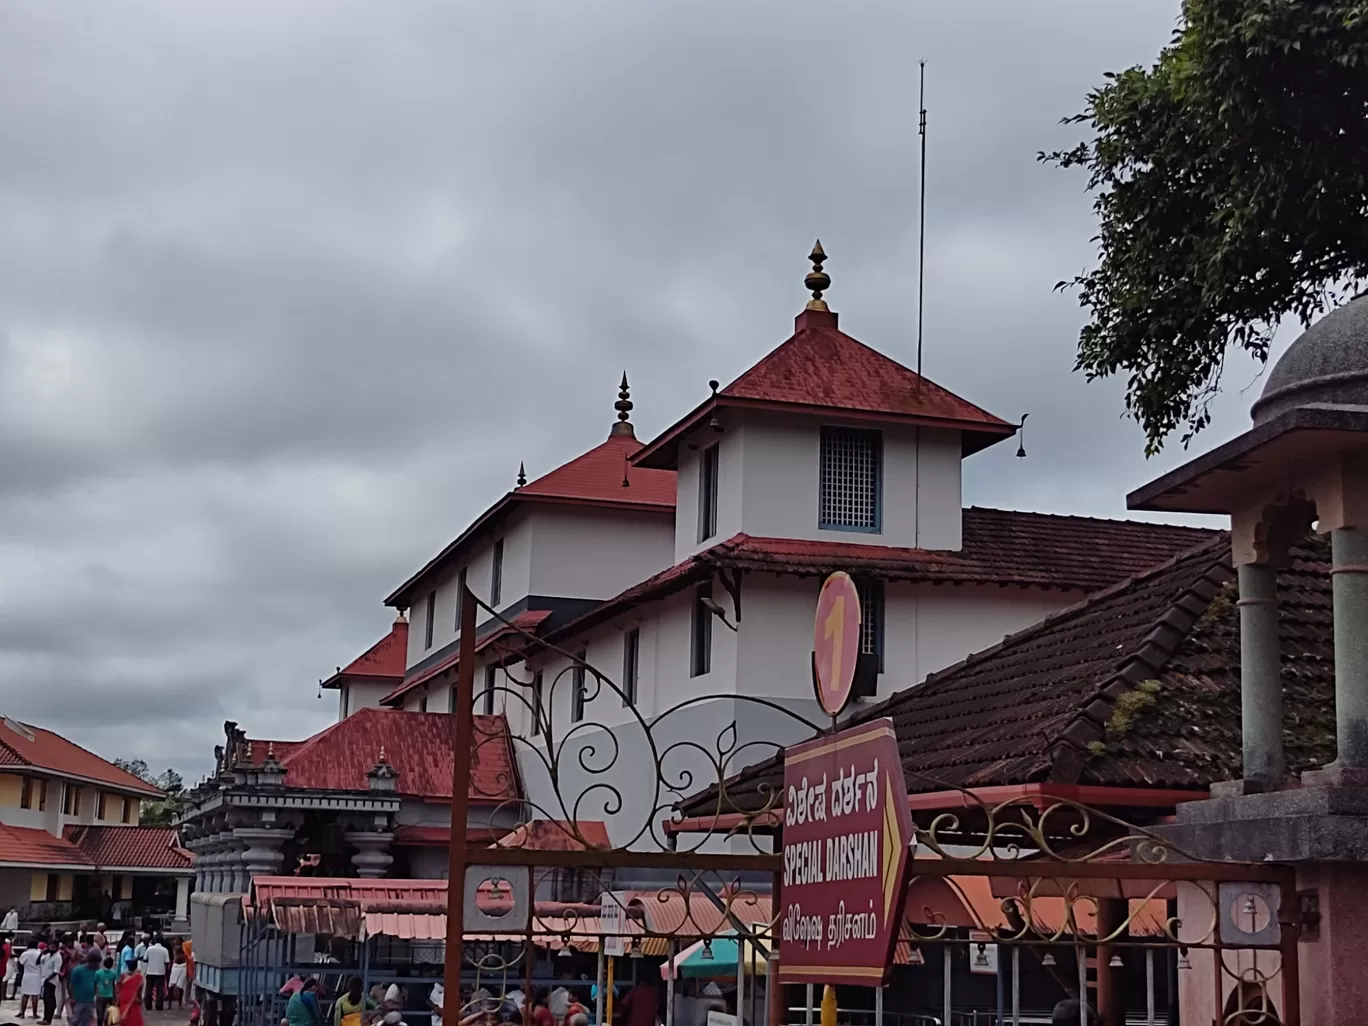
[{"x": 287, "y": 291}]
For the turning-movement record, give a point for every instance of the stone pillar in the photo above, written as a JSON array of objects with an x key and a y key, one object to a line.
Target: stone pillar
[
  {"x": 1349, "y": 590},
  {"x": 1261, "y": 707},
  {"x": 181, "y": 922},
  {"x": 263, "y": 856},
  {"x": 372, "y": 856}
]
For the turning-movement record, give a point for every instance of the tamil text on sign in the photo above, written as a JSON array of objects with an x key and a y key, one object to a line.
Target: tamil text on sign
[{"x": 846, "y": 832}]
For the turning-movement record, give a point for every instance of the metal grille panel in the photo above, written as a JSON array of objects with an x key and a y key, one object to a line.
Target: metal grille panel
[{"x": 850, "y": 479}]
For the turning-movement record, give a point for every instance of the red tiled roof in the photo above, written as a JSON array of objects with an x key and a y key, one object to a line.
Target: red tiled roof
[
  {"x": 386, "y": 658},
  {"x": 527, "y": 621},
  {"x": 31, "y": 847},
  {"x": 822, "y": 369},
  {"x": 557, "y": 835},
  {"x": 1136, "y": 686},
  {"x": 144, "y": 847},
  {"x": 417, "y": 835},
  {"x": 592, "y": 479},
  {"x": 1002, "y": 547},
  {"x": 598, "y": 476},
  {"x": 417, "y": 745},
  {"x": 22, "y": 744}
]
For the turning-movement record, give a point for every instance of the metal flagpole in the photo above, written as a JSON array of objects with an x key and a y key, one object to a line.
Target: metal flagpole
[{"x": 807, "y": 1018}]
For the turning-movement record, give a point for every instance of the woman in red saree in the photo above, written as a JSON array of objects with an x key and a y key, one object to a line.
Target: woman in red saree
[{"x": 129, "y": 999}]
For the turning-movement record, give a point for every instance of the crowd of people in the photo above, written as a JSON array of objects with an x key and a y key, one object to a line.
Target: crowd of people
[
  {"x": 310, "y": 1005},
  {"x": 94, "y": 978}
]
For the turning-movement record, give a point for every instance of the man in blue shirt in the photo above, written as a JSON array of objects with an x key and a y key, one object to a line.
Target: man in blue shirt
[{"x": 81, "y": 990}]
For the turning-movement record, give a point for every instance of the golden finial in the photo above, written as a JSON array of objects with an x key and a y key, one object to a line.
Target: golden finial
[
  {"x": 270, "y": 750},
  {"x": 623, "y": 426},
  {"x": 817, "y": 280},
  {"x": 382, "y": 753}
]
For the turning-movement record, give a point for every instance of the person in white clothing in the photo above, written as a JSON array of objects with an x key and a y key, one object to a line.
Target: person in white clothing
[
  {"x": 11, "y": 922},
  {"x": 30, "y": 983},
  {"x": 158, "y": 960}
]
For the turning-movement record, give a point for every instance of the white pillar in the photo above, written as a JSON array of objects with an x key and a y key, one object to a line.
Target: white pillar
[{"x": 182, "y": 919}]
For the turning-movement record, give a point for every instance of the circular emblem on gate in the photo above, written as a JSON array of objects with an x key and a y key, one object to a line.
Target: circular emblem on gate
[{"x": 836, "y": 641}]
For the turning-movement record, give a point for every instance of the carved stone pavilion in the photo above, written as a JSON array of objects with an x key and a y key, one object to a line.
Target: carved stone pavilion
[{"x": 1303, "y": 465}]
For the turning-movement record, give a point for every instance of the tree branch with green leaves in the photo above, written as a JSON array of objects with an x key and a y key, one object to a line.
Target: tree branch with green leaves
[{"x": 1231, "y": 183}]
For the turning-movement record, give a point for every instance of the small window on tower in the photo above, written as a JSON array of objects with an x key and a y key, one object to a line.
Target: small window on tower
[
  {"x": 577, "y": 686},
  {"x": 537, "y": 712},
  {"x": 851, "y": 480},
  {"x": 460, "y": 596},
  {"x": 490, "y": 682},
  {"x": 871, "y": 618},
  {"x": 431, "y": 620},
  {"x": 707, "y": 494},
  {"x": 700, "y": 661},
  {"x": 496, "y": 575},
  {"x": 631, "y": 661}
]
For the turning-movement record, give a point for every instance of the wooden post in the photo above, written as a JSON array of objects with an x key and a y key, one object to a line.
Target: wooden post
[{"x": 463, "y": 717}]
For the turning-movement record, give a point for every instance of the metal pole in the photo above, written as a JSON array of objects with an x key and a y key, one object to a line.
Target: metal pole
[
  {"x": 365, "y": 973},
  {"x": 464, "y": 717},
  {"x": 1149, "y": 987},
  {"x": 947, "y": 952},
  {"x": 1082, "y": 956},
  {"x": 608, "y": 997},
  {"x": 740, "y": 982},
  {"x": 1016, "y": 985},
  {"x": 1001, "y": 995},
  {"x": 878, "y": 1006},
  {"x": 670, "y": 984},
  {"x": 598, "y": 983},
  {"x": 808, "y": 997},
  {"x": 530, "y": 957}
]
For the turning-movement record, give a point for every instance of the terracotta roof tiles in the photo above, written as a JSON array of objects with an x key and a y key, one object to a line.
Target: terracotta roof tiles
[
  {"x": 28, "y": 846},
  {"x": 417, "y": 745},
  {"x": 385, "y": 659},
  {"x": 1137, "y": 686},
  {"x": 1002, "y": 547},
  {"x": 22, "y": 744},
  {"x": 821, "y": 369},
  {"x": 144, "y": 847}
]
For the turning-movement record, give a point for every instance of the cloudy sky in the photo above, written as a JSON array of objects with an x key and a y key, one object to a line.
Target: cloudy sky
[{"x": 288, "y": 290}]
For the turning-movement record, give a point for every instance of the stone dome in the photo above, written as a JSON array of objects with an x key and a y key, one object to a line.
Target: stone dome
[{"x": 1327, "y": 364}]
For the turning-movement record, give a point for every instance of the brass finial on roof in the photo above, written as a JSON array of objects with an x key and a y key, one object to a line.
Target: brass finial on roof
[
  {"x": 270, "y": 750},
  {"x": 817, "y": 280},
  {"x": 382, "y": 753},
  {"x": 522, "y": 474},
  {"x": 623, "y": 426}
]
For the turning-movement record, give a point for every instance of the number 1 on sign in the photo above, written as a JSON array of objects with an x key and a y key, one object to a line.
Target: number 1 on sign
[{"x": 833, "y": 630}]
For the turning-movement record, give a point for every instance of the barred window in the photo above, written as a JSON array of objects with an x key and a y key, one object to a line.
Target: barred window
[
  {"x": 490, "y": 683},
  {"x": 707, "y": 493},
  {"x": 871, "y": 618},
  {"x": 537, "y": 704},
  {"x": 631, "y": 664},
  {"x": 577, "y": 689},
  {"x": 851, "y": 480}
]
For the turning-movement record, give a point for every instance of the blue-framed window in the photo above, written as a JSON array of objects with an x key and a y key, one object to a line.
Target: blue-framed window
[
  {"x": 707, "y": 493},
  {"x": 871, "y": 618},
  {"x": 851, "y": 484}
]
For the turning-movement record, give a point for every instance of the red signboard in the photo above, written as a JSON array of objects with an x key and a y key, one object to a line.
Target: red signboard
[
  {"x": 836, "y": 641},
  {"x": 846, "y": 834}
]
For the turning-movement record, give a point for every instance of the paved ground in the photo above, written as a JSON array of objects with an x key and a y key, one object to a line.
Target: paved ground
[{"x": 171, "y": 1017}]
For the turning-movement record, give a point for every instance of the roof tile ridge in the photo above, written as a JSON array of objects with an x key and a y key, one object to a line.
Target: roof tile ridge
[
  {"x": 1096, "y": 520},
  {"x": 1050, "y": 619},
  {"x": 1143, "y": 663}
]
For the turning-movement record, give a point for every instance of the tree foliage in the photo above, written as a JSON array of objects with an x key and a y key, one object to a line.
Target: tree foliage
[
  {"x": 1231, "y": 183},
  {"x": 162, "y": 811}
]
